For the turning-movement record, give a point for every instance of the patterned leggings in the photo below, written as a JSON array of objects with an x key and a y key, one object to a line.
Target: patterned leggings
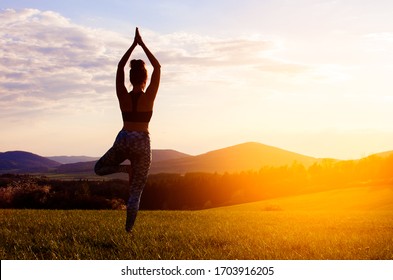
[{"x": 134, "y": 146}]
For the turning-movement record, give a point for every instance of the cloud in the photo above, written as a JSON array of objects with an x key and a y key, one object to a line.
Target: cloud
[
  {"x": 45, "y": 60},
  {"x": 48, "y": 63},
  {"x": 203, "y": 51},
  {"x": 194, "y": 58}
]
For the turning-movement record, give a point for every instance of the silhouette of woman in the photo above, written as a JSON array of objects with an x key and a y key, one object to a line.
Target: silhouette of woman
[{"x": 133, "y": 141}]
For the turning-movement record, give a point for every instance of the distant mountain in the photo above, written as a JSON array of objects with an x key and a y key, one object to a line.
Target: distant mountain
[
  {"x": 162, "y": 155},
  {"x": 88, "y": 167},
  {"x": 72, "y": 159},
  {"x": 246, "y": 156},
  {"x": 25, "y": 162},
  {"x": 242, "y": 157},
  {"x": 384, "y": 154},
  {"x": 158, "y": 155},
  {"x": 20, "y": 161}
]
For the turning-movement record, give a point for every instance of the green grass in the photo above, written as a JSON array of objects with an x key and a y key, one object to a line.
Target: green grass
[
  {"x": 209, "y": 234},
  {"x": 354, "y": 223}
]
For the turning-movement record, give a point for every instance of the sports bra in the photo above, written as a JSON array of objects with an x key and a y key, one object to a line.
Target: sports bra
[{"x": 134, "y": 115}]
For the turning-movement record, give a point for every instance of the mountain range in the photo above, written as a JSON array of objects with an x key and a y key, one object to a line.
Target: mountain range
[
  {"x": 20, "y": 161},
  {"x": 26, "y": 162},
  {"x": 241, "y": 157}
]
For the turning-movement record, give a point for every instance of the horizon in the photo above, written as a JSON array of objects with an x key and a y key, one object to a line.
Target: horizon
[
  {"x": 310, "y": 77},
  {"x": 205, "y": 152}
]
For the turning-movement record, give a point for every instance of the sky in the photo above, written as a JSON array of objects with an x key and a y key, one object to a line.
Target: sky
[{"x": 309, "y": 76}]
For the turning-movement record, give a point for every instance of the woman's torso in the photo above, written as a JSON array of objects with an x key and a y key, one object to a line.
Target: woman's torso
[{"x": 136, "y": 109}]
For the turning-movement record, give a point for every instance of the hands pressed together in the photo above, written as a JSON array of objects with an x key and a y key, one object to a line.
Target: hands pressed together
[
  {"x": 138, "y": 38},
  {"x": 138, "y": 41}
]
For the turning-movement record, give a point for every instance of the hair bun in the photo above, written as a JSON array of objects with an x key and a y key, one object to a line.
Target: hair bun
[{"x": 137, "y": 64}]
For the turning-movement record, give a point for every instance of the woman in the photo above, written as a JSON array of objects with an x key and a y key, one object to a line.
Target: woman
[{"x": 133, "y": 141}]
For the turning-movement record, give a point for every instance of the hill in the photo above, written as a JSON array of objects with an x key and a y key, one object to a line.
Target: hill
[
  {"x": 237, "y": 158},
  {"x": 358, "y": 198},
  {"x": 242, "y": 157},
  {"x": 158, "y": 155},
  {"x": 20, "y": 161},
  {"x": 88, "y": 166},
  {"x": 384, "y": 154},
  {"x": 26, "y": 162},
  {"x": 163, "y": 155},
  {"x": 72, "y": 159}
]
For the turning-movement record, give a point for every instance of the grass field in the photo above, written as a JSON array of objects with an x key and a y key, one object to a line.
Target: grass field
[{"x": 318, "y": 226}]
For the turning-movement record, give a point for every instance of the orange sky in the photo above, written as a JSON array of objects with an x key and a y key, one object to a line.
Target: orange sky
[{"x": 312, "y": 77}]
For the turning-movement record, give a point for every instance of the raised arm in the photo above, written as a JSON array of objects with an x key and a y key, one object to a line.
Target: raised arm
[
  {"x": 120, "y": 87},
  {"x": 155, "y": 76}
]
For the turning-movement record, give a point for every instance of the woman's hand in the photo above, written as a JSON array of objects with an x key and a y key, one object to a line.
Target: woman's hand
[{"x": 138, "y": 38}]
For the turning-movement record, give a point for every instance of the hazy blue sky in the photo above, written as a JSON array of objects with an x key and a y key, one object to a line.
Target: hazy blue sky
[{"x": 310, "y": 76}]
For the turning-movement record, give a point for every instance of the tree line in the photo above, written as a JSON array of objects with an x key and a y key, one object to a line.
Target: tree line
[{"x": 195, "y": 190}]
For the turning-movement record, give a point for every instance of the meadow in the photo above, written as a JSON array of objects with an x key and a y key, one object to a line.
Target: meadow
[{"x": 308, "y": 227}]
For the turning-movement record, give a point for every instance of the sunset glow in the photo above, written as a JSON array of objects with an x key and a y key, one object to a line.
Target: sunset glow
[{"x": 309, "y": 76}]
